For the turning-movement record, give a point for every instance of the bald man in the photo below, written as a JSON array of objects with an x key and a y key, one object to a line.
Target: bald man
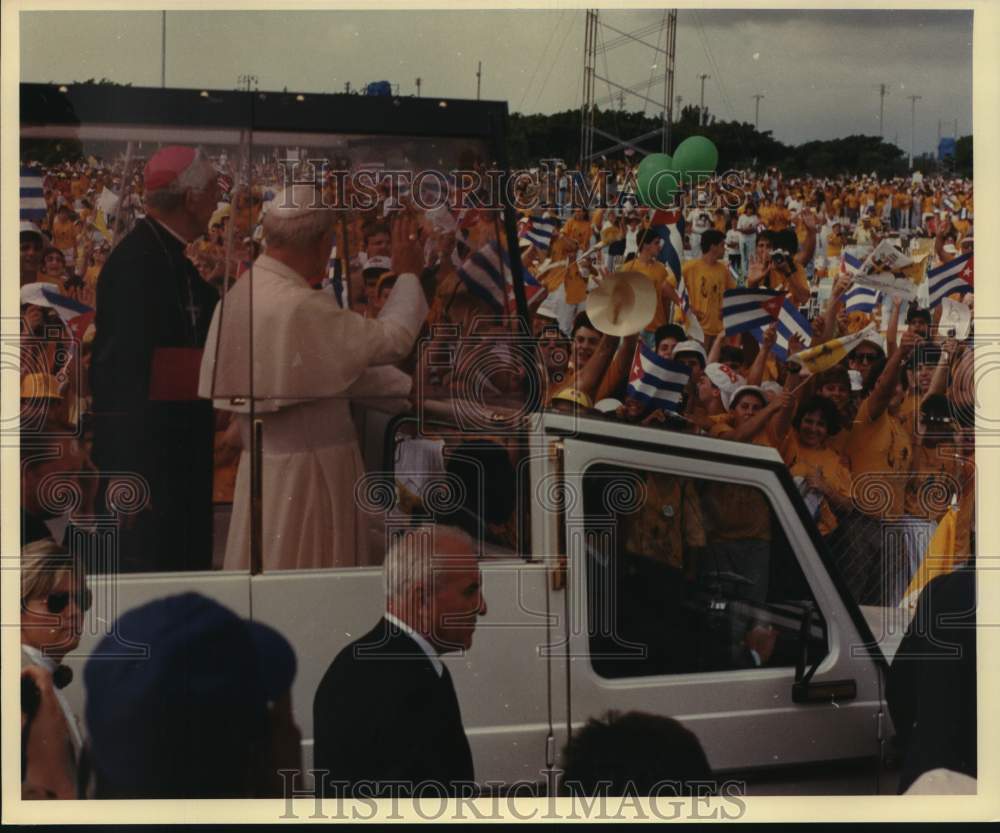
[
  {"x": 153, "y": 312},
  {"x": 386, "y": 712}
]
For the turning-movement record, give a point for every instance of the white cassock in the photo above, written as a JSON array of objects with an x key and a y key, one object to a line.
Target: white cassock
[{"x": 310, "y": 358}]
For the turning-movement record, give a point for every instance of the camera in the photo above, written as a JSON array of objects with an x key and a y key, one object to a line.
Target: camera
[{"x": 779, "y": 257}]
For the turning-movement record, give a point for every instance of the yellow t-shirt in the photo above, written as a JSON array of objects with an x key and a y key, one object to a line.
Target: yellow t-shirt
[
  {"x": 578, "y": 230},
  {"x": 802, "y": 461},
  {"x": 935, "y": 475},
  {"x": 796, "y": 284},
  {"x": 880, "y": 452},
  {"x": 834, "y": 244},
  {"x": 705, "y": 284},
  {"x": 670, "y": 518},
  {"x": 63, "y": 234},
  {"x": 739, "y": 512},
  {"x": 908, "y": 411},
  {"x": 659, "y": 275}
]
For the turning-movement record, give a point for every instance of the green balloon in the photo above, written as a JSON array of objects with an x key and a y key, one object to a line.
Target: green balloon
[
  {"x": 662, "y": 187},
  {"x": 654, "y": 165},
  {"x": 696, "y": 153}
]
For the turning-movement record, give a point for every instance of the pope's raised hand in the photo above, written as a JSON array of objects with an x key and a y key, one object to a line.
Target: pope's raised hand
[{"x": 407, "y": 252}]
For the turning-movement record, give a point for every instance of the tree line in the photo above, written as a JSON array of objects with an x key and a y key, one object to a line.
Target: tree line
[{"x": 740, "y": 144}]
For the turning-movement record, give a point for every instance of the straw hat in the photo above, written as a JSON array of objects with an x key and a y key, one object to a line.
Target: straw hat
[{"x": 623, "y": 304}]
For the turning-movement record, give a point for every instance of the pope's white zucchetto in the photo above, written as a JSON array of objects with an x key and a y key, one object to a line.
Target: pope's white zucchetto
[{"x": 298, "y": 200}]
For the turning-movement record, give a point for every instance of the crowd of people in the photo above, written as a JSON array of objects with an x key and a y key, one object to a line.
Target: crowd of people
[
  {"x": 880, "y": 440},
  {"x": 877, "y": 429}
]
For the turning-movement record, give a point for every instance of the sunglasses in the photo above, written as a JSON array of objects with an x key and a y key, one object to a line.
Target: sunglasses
[
  {"x": 58, "y": 602},
  {"x": 867, "y": 358}
]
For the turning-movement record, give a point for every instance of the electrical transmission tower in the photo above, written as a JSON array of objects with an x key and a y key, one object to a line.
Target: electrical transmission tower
[{"x": 661, "y": 38}]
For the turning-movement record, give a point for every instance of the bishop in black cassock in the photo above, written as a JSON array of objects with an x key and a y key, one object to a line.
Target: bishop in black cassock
[{"x": 153, "y": 312}]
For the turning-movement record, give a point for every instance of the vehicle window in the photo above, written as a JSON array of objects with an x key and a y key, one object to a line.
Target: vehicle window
[
  {"x": 476, "y": 481},
  {"x": 149, "y": 374},
  {"x": 689, "y": 575},
  {"x": 468, "y": 367}
]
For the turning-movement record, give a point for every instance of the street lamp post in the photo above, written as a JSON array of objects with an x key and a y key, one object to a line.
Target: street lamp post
[{"x": 913, "y": 124}]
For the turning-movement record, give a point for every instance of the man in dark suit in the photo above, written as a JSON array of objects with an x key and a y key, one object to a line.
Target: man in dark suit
[
  {"x": 386, "y": 713},
  {"x": 153, "y": 312}
]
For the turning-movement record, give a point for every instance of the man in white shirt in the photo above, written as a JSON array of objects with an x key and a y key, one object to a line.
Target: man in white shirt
[
  {"x": 700, "y": 223},
  {"x": 747, "y": 228}
]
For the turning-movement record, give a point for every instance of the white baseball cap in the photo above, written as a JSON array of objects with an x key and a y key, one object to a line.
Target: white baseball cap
[
  {"x": 28, "y": 227},
  {"x": 724, "y": 378},
  {"x": 691, "y": 346},
  {"x": 728, "y": 401},
  {"x": 378, "y": 262}
]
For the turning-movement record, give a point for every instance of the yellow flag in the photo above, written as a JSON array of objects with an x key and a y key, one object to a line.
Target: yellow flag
[
  {"x": 826, "y": 355},
  {"x": 939, "y": 559},
  {"x": 101, "y": 225}
]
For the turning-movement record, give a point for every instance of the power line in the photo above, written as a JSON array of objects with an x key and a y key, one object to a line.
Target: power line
[
  {"x": 652, "y": 70},
  {"x": 913, "y": 124},
  {"x": 715, "y": 67},
  {"x": 541, "y": 58},
  {"x": 555, "y": 61}
]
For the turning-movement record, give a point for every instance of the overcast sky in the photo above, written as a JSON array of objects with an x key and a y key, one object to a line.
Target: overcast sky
[{"x": 818, "y": 70}]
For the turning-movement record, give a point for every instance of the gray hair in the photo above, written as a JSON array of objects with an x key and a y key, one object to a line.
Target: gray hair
[
  {"x": 41, "y": 563},
  {"x": 196, "y": 177},
  {"x": 410, "y": 558},
  {"x": 300, "y": 231}
]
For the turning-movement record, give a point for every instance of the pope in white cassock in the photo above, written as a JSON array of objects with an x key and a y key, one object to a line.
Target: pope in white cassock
[{"x": 310, "y": 358}]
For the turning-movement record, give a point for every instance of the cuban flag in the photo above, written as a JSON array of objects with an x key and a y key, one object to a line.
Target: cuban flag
[
  {"x": 692, "y": 326},
  {"x": 532, "y": 287},
  {"x": 540, "y": 232},
  {"x": 859, "y": 298},
  {"x": 953, "y": 276},
  {"x": 76, "y": 316},
  {"x": 790, "y": 322},
  {"x": 334, "y": 283},
  {"x": 487, "y": 275},
  {"x": 668, "y": 225},
  {"x": 32, "y": 196},
  {"x": 849, "y": 265},
  {"x": 744, "y": 310},
  {"x": 862, "y": 299},
  {"x": 656, "y": 381}
]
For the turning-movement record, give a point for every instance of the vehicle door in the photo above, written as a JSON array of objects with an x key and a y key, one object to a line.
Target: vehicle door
[{"x": 699, "y": 592}]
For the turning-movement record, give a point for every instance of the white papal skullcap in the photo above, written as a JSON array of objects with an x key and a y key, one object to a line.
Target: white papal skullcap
[{"x": 297, "y": 200}]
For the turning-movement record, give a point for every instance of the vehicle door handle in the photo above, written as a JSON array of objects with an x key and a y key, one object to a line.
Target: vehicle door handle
[{"x": 827, "y": 691}]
